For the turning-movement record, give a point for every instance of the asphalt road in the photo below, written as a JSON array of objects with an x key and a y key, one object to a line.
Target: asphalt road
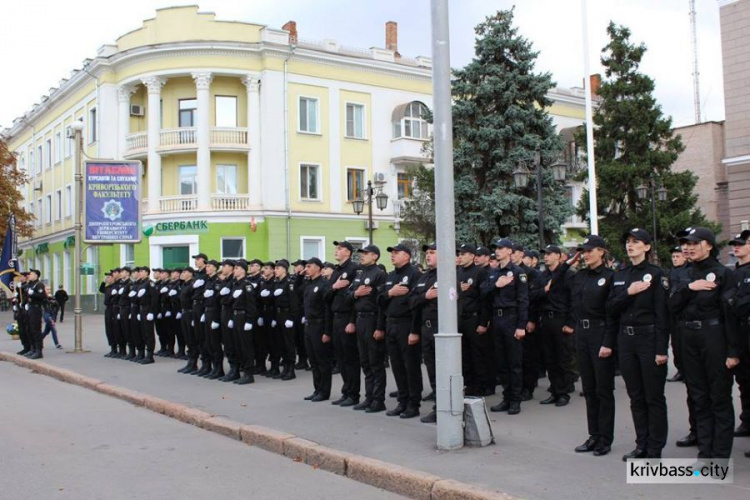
[{"x": 59, "y": 441}]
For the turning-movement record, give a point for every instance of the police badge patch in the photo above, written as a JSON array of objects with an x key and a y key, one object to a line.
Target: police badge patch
[
  {"x": 647, "y": 278},
  {"x": 405, "y": 280},
  {"x": 522, "y": 277},
  {"x": 665, "y": 282},
  {"x": 601, "y": 282}
]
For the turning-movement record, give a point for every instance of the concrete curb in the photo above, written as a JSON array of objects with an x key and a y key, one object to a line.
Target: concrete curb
[{"x": 390, "y": 477}]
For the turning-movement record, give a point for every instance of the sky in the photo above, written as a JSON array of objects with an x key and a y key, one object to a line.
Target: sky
[{"x": 42, "y": 41}]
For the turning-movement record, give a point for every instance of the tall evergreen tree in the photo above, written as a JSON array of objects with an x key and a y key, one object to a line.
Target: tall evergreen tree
[
  {"x": 418, "y": 211},
  {"x": 635, "y": 146},
  {"x": 499, "y": 120}
]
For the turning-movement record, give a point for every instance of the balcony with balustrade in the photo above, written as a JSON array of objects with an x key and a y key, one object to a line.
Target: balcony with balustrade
[
  {"x": 185, "y": 140},
  {"x": 189, "y": 203}
]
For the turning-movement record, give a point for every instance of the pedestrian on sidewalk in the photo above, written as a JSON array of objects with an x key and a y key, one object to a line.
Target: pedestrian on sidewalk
[
  {"x": 49, "y": 314},
  {"x": 61, "y": 296}
]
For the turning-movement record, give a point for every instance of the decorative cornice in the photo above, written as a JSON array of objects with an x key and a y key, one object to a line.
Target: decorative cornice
[
  {"x": 252, "y": 82},
  {"x": 154, "y": 84},
  {"x": 202, "y": 80}
]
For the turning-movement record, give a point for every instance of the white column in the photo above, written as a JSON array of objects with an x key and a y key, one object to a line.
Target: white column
[
  {"x": 203, "y": 138},
  {"x": 154, "y": 85},
  {"x": 123, "y": 96},
  {"x": 254, "y": 179}
]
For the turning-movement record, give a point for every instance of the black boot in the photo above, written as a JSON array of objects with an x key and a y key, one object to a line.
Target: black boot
[
  {"x": 23, "y": 351},
  {"x": 289, "y": 372},
  {"x": 302, "y": 365},
  {"x": 139, "y": 357},
  {"x": 274, "y": 373},
  {"x": 148, "y": 358},
  {"x": 205, "y": 369},
  {"x": 188, "y": 366},
  {"x": 193, "y": 367},
  {"x": 247, "y": 378},
  {"x": 37, "y": 351},
  {"x": 232, "y": 375},
  {"x": 217, "y": 372},
  {"x": 131, "y": 354}
]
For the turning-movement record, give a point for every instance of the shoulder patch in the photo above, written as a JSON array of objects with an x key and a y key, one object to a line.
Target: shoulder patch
[
  {"x": 665, "y": 282},
  {"x": 522, "y": 277},
  {"x": 618, "y": 283}
]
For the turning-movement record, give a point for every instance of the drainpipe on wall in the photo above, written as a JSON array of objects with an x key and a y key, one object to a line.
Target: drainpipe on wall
[{"x": 286, "y": 156}]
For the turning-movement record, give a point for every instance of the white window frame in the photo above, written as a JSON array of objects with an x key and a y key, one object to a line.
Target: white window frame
[
  {"x": 364, "y": 182},
  {"x": 124, "y": 254},
  {"x": 236, "y": 176},
  {"x": 40, "y": 159},
  {"x": 68, "y": 144},
  {"x": 92, "y": 131},
  {"x": 346, "y": 121},
  {"x": 58, "y": 204},
  {"x": 244, "y": 246},
  {"x": 48, "y": 209},
  {"x": 358, "y": 242},
  {"x": 68, "y": 201},
  {"x": 317, "y": 115},
  {"x": 56, "y": 271},
  {"x": 399, "y": 127},
  {"x": 321, "y": 246},
  {"x": 32, "y": 165},
  {"x": 48, "y": 154},
  {"x": 216, "y": 110},
  {"x": 32, "y": 208},
  {"x": 67, "y": 264},
  {"x": 22, "y": 162},
  {"x": 40, "y": 211},
  {"x": 179, "y": 179},
  {"x": 58, "y": 147},
  {"x": 320, "y": 181}
]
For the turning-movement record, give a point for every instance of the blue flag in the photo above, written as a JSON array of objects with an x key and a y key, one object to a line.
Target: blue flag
[{"x": 8, "y": 262}]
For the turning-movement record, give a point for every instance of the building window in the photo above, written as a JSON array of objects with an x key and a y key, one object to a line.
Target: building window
[
  {"x": 313, "y": 246},
  {"x": 308, "y": 115},
  {"x": 355, "y": 121},
  {"x": 413, "y": 123},
  {"x": 68, "y": 200},
  {"x": 226, "y": 179},
  {"x": 226, "y": 111},
  {"x": 308, "y": 182},
  {"x": 128, "y": 254},
  {"x": 355, "y": 183},
  {"x": 32, "y": 209},
  {"x": 68, "y": 142},
  {"x": 58, "y": 147},
  {"x": 92, "y": 125},
  {"x": 48, "y": 153},
  {"x": 22, "y": 163},
  {"x": 48, "y": 209},
  {"x": 31, "y": 162},
  {"x": 404, "y": 186},
  {"x": 187, "y": 112},
  {"x": 40, "y": 211},
  {"x": 39, "y": 159},
  {"x": 233, "y": 248},
  {"x": 58, "y": 204},
  {"x": 188, "y": 175}
]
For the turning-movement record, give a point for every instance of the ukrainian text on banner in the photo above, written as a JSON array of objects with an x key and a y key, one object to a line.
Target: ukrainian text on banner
[{"x": 112, "y": 191}]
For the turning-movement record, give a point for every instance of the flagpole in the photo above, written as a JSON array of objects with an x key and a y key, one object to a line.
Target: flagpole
[{"x": 590, "y": 157}]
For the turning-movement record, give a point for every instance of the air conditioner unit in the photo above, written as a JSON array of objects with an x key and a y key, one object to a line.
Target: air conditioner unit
[
  {"x": 136, "y": 110},
  {"x": 69, "y": 134},
  {"x": 378, "y": 178},
  {"x": 38, "y": 186},
  {"x": 375, "y": 224}
]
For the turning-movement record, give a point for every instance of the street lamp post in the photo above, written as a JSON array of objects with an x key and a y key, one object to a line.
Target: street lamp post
[
  {"x": 77, "y": 129},
  {"x": 381, "y": 201},
  {"x": 521, "y": 177},
  {"x": 642, "y": 192}
]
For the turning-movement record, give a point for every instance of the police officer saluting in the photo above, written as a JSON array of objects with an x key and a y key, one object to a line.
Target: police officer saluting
[
  {"x": 709, "y": 343},
  {"x": 318, "y": 324},
  {"x": 372, "y": 350},
  {"x": 36, "y": 298},
  {"x": 638, "y": 301}
]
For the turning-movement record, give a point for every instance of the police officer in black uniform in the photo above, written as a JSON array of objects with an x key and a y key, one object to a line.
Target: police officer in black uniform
[
  {"x": 160, "y": 284},
  {"x": 344, "y": 324},
  {"x": 244, "y": 317},
  {"x": 115, "y": 311},
  {"x": 187, "y": 321},
  {"x": 124, "y": 300},
  {"x": 507, "y": 291},
  {"x": 106, "y": 288},
  {"x": 300, "y": 280},
  {"x": 638, "y": 301},
  {"x": 227, "y": 323},
  {"x": 709, "y": 342},
  {"x": 396, "y": 319},
  {"x": 212, "y": 321},
  {"x": 364, "y": 290},
  {"x": 260, "y": 347},
  {"x": 199, "y": 318},
  {"x": 741, "y": 311},
  {"x": 148, "y": 301},
  {"x": 318, "y": 325},
  {"x": 20, "y": 312},
  {"x": 531, "y": 364},
  {"x": 424, "y": 306},
  {"x": 595, "y": 330},
  {"x": 286, "y": 308},
  {"x": 36, "y": 299},
  {"x": 173, "y": 324},
  {"x": 136, "y": 328}
]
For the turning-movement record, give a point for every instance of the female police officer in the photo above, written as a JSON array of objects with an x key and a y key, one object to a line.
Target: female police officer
[{"x": 639, "y": 302}]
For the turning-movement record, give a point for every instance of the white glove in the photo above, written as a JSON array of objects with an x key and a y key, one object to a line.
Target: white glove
[
  {"x": 198, "y": 283},
  {"x": 230, "y": 324},
  {"x": 150, "y": 317},
  {"x": 288, "y": 323},
  {"x": 172, "y": 293},
  {"x": 273, "y": 323},
  {"x": 141, "y": 292},
  {"x": 178, "y": 316},
  {"x": 168, "y": 314},
  {"x": 163, "y": 289},
  {"x": 158, "y": 316},
  {"x": 208, "y": 294},
  {"x": 304, "y": 320},
  {"x": 261, "y": 322},
  {"x": 31, "y": 292},
  {"x": 15, "y": 308},
  {"x": 131, "y": 294},
  {"x": 118, "y": 315},
  {"x": 265, "y": 293},
  {"x": 236, "y": 293},
  {"x": 248, "y": 327},
  {"x": 225, "y": 291},
  {"x": 138, "y": 317},
  {"x": 192, "y": 323},
  {"x": 26, "y": 307},
  {"x": 214, "y": 325},
  {"x": 130, "y": 316},
  {"x": 278, "y": 292},
  {"x": 120, "y": 291},
  {"x": 203, "y": 318}
]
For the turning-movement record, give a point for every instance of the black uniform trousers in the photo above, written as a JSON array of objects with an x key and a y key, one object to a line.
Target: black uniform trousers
[
  {"x": 704, "y": 355},
  {"x": 227, "y": 336},
  {"x": 405, "y": 361},
  {"x": 371, "y": 357},
  {"x": 531, "y": 363},
  {"x": 285, "y": 335},
  {"x": 347, "y": 349},
  {"x": 123, "y": 326},
  {"x": 114, "y": 326},
  {"x": 741, "y": 374},
  {"x": 135, "y": 328},
  {"x": 598, "y": 381},
  {"x": 429, "y": 329},
  {"x": 556, "y": 348},
  {"x": 243, "y": 341},
  {"x": 23, "y": 327},
  {"x": 108, "y": 327},
  {"x": 199, "y": 331},
  {"x": 147, "y": 330},
  {"x": 213, "y": 335},
  {"x": 644, "y": 380},
  {"x": 260, "y": 340},
  {"x": 320, "y": 355},
  {"x": 188, "y": 331},
  {"x": 299, "y": 338},
  {"x": 475, "y": 349},
  {"x": 508, "y": 354},
  {"x": 178, "y": 334},
  {"x": 34, "y": 318},
  {"x": 161, "y": 333}
]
